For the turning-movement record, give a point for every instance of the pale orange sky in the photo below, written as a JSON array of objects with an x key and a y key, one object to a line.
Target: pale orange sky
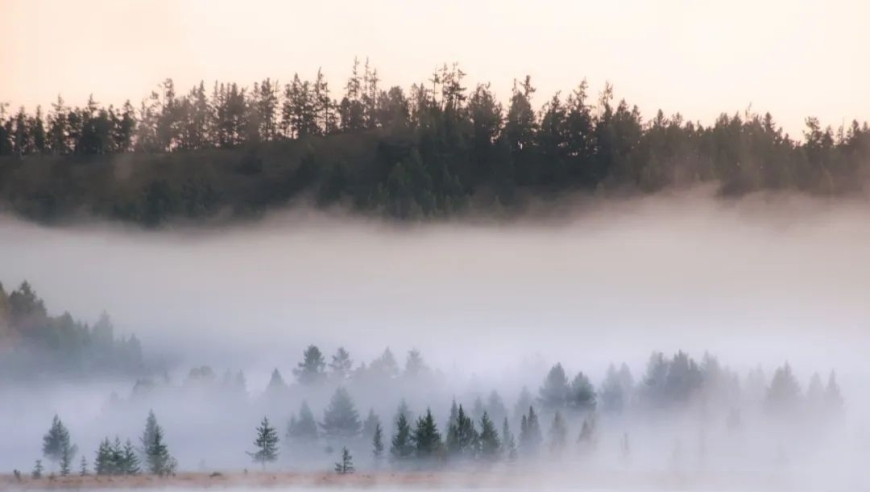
[{"x": 793, "y": 58}]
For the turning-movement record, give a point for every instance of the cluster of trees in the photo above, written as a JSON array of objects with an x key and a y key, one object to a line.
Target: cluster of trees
[
  {"x": 111, "y": 457},
  {"x": 437, "y": 149},
  {"x": 33, "y": 343}
]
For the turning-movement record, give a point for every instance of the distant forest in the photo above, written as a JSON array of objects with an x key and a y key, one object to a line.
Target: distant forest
[
  {"x": 34, "y": 344},
  {"x": 437, "y": 150}
]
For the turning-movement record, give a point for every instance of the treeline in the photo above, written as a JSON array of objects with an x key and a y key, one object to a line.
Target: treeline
[
  {"x": 34, "y": 344},
  {"x": 437, "y": 149}
]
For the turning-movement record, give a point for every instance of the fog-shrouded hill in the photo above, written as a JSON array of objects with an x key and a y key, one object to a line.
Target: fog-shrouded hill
[{"x": 435, "y": 150}]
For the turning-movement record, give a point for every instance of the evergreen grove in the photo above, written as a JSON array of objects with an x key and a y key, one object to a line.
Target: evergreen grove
[
  {"x": 562, "y": 418},
  {"x": 435, "y": 150}
]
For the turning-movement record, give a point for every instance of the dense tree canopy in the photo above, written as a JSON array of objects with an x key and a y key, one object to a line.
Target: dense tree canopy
[{"x": 435, "y": 150}]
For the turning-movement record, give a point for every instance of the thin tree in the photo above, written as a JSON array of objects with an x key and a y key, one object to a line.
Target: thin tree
[
  {"x": 266, "y": 443},
  {"x": 402, "y": 445},
  {"x": 345, "y": 466},
  {"x": 490, "y": 445},
  {"x": 83, "y": 467},
  {"x": 378, "y": 445},
  {"x": 508, "y": 442},
  {"x": 37, "y": 470}
]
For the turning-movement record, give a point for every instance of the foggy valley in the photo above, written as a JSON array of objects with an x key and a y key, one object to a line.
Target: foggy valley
[{"x": 742, "y": 287}]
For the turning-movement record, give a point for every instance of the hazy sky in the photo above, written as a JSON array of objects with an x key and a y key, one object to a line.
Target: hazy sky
[{"x": 794, "y": 58}]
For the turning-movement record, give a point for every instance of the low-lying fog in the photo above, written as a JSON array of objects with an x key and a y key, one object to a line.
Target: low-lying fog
[{"x": 759, "y": 281}]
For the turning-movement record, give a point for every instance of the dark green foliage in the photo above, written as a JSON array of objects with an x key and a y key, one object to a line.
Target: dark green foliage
[
  {"x": 158, "y": 461},
  {"x": 56, "y": 446},
  {"x": 341, "y": 419},
  {"x": 345, "y": 466},
  {"x": 462, "y": 437},
  {"x": 311, "y": 369},
  {"x": 581, "y": 394},
  {"x": 266, "y": 444},
  {"x": 434, "y": 152},
  {"x": 490, "y": 444},
  {"x": 402, "y": 446},
  {"x": 427, "y": 439},
  {"x": 378, "y": 444}
]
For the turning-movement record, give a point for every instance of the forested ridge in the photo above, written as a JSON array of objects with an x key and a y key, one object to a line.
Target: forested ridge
[
  {"x": 34, "y": 344},
  {"x": 438, "y": 149}
]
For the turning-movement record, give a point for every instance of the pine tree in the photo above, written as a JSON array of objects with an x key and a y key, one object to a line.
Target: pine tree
[
  {"x": 554, "y": 392},
  {"x": 341, "y": 365},
  {"x": 158, "y": 461},
  {"x": 462, "y": 438},
  {"x": 371, "y": 422},
  {"x": 345, "y": 466},
  {"x": 558, "y": 435},
  {"x": 311, "y": 369},
  {"x": 402, "y": 445},
  {"x": 490, "y": 445},
  {"x": 302, "y": 432},
  {"x": 508, "y": 442},
  {"x": 530, "y": 434},
  {"x": 55, "y": 443},
  {"x": 83, "y": 468},
  {"x": 129, "y": 460},
  {"x": 148, "y": 434},
  {"x": 37, "y": 470},
  {"x": 378, "y": 445},
  {"x": 266, "y": 443},
  {"x": 426, "y": 438},
  {"x": 340, "y": 419},
  {"x": 104, "y": 462}
]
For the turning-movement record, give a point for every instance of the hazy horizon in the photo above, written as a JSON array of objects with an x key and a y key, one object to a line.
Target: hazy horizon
[{"x": 794, "y": 60}]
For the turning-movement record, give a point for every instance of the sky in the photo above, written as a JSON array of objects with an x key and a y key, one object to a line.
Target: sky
[{"x": 790, "y": 57}]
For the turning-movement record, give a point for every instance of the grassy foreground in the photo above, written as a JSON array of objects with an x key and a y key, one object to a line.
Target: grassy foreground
[{"x": 424, "y": 480}]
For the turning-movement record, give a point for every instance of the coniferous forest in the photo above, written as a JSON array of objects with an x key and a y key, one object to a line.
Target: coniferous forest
[
  {"x": 622, "y": 419},
  {"x": 437, "y": 149}
]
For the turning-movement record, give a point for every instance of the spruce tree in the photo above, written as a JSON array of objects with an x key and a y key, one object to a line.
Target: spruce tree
[
  {"x": 340, "y": 419},
  {"x": 37, "y": 470},
  {"x": 158, "y": 461},
  {"x": 117, "y": 457},
  {"x": 266, "y": 443},
  {"x": 378, "y": 445},
  {"x": 148, "y": 434},
  {"x": 311, "y": 369},
  {"x": 341, "y": 365},
  {"x": 554, "y": 391},
  {"x": 462, "y": 438},
  {"x": 345, "y": 466},
  {"x": 490, "y": 445},
  {"x": 530, "y": 434},
  {"x": 302, "y": 432},
  {"x": 508, "y": 442},
  {"x": 129, "y": 460},
  {"x": 104, "y": 462},
  {"x": 558, "y": 435},
  {"x": 56, "y": 443},
  {"x": 83, "y": 467},
  {"x": 426, "y": 438},
  {"x": 371, "y": 423},
  {"x": 402, "y": 445}
]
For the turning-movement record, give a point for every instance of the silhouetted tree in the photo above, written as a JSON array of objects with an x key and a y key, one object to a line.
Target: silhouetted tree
[{"x": 266, "y": 444}]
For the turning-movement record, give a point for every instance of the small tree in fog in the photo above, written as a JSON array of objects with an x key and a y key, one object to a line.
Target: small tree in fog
[
  {"x": 266, "y": 443},
  {"x": 37, "y": 470},
  {"x": 104, "y": 463},
  {"x": 345, "y": 466},
  {"x": 302, "y": 432},
  {"x": 509, "y": 444},
  {"x": 340, "y": 419},
  {"x": 148, "y": 434},
  {"x": 833, "y": 396},
  {"x": 129, "y": 462},
  {"x": 402, "y": 445},
  {"x": 581, "y": 395},
  {"x": 83, "y": 466},
  {"x": 56, "y": 445},
  {"x": 530, "y": 434},
  {"x": 462, "y": 438},
  {"x": 312, "y": 368},
  {"x": 371, "y": 423},
  {"x": 378, "y": 445},
  {"x": 341, "y": 365},
  {"x": 426, "y": 438},
  {"x": 490, "y": 445},
  {"x": 158, "y": 461},
  {"x": 554, "y": 391},
  {"x": 558, "y": 435}
]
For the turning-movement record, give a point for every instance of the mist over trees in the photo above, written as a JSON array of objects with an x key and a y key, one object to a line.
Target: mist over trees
[
  {"x": 577, "y": 420},
  {"x": 36, "y": 345},
  {"x": 436, "y": 149}
]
